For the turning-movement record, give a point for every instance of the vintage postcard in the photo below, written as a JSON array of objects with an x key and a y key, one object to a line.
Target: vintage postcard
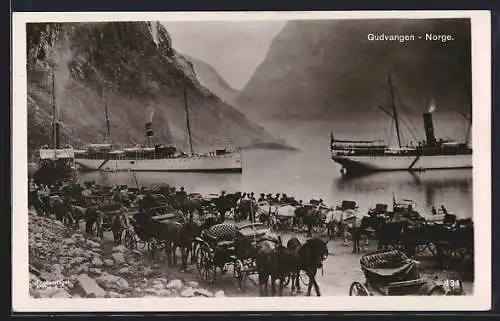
[{"x": 291, "y": 161}]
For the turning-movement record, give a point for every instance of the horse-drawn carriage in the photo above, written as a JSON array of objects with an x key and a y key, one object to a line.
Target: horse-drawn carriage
[
  {"x": 391, "y": 272},
  {"x": 141, "y": 232},
  {"x": 225, "y": 245}
]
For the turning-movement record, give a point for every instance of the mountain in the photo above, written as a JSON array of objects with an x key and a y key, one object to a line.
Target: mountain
[
  {"x": 329, "y": 70},
  {"x": 211, "y": 79},
  {"x": 138, "y": 77}
]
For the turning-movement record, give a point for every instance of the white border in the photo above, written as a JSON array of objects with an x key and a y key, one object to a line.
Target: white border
[{"x": 481, "y": 90}]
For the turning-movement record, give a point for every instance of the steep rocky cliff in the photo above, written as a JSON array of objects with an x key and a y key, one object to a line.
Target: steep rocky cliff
[
  {"x": 212, "y": 80},
  {"x": 138, "y": 76},
  {"x": 328, "y": 69}
]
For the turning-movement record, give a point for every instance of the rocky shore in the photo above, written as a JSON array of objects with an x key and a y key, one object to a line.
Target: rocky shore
[{"x": 64, "y": 263}]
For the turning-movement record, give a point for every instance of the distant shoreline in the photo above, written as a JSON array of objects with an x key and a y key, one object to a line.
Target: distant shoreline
[{"x": 271, "y": 146}]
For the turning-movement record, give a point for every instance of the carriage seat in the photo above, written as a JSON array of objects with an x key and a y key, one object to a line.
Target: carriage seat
[
  {"x": 223, "y": 235},
  {"x": 225, "y": 244}
]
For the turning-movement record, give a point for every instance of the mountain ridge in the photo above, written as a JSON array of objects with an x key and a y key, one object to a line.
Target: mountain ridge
[
  {"x": 120, "y": 65},
  {"x": 329, "y": 69},
  {"x": 212, "y": 80}
]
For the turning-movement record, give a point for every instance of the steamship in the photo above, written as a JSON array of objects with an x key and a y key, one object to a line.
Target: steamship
[
  {"x": 156, "y": 157},
  {"x": 358, "y": 156}
]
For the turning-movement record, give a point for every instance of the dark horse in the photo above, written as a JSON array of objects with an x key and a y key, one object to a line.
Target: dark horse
[
  {"x": 307, "y": 257},
  {"x": 280, "y": 262},
  {"x": 246, "y": 209},
  {"x": 271, "y": 262},
  {"x": 226, "y": 203}
]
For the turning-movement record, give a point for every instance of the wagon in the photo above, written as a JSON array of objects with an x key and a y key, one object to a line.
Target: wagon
[
  {"x": 104, "y": 221},
  {"x": 140, "y": 232},
  {"x": 225, "y": 245},
  {"x": 393, "y": 273},
  {"x": 283, "y": 217}
]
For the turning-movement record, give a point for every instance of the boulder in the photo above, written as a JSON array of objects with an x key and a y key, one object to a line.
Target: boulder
[
  {"x": 164, "y": 292},
  {"x": 120, "y": 249},
  {"x": 61, "y": 294},
  {"x": 124, "y": 271},
  {"x": 112, "y": 294},
  {"x": 108, "y": 262},
  {"x": 146, "y": 271},
  {"x": 203, "y": 292},
  {"x": 159, "y": 286},
  {"x": 45, "y": 293},
  {"x": 193, "y": 284},
  {"x": 187, "y": 293},
  {"x": 112, "y": 282},
  {"x": 97, "y": 262},
  {"x": 93, "y": 244},
  {"x": 69, "y": 241},
  {"x": 118, "y": 257},
  {"x": 95, "y": 271},
  {"x": 175, "y": 284},
  {"x": 219, "y": 294},
  {"x": 89, "y": 287}
]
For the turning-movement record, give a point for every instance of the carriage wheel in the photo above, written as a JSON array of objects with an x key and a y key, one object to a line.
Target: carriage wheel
[
  {"x": 300, "y": 225},
  {"x": 130, "y": 241},
  {"x": 205, "y": 264},
  {"x": 97, "y": 228},
  {"x": 320, "y": 229},
  {"x": 287, "y": 280},
  {"x": 240, "y": 274},
  {"x": 437, "y": 290},
  {"x": 359, "y": 289},
  {"x": 420, "y": 248},
  {"x": 432, "y": 248},
  {"x": 66, "y": 220},
  {"x": 397, "y": 246}
]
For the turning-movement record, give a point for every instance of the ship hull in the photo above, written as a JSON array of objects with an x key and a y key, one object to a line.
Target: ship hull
[
  {"x": 357, "y": 164},
  {"x": 219, "y": 163}
]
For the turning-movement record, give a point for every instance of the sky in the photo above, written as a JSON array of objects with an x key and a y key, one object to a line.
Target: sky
[{"x": 234, "y": 49}]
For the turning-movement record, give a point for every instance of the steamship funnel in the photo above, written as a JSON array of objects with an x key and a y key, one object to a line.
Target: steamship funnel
[{"x": 429, "y": 129}]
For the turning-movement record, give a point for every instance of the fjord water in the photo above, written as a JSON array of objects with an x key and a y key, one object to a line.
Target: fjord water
[{"x": 310, "y": 173}]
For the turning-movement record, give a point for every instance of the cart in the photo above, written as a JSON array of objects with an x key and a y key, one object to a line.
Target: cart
[
  {"x": 221, "y": 246},
  {"x": 391, "y": 272}
]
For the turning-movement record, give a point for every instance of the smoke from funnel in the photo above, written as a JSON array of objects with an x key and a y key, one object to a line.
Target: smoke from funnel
[
  {"x": 61, "y": 58},
  {"x": 432, "y": 106},
  {"x": 151, "y": 116}
]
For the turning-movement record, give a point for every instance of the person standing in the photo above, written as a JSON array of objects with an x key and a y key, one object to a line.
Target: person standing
[
  {"x": 222, "y": 206},
  {"x": 32, "y": 194}
]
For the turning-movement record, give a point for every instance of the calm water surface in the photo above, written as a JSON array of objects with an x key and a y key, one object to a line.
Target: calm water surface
[
  {"x": 310, "y": 172},
  {"x": 307, "y": 176}
]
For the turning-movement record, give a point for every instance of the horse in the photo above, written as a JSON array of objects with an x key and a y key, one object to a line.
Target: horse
[
  {"x": 118, "y": 225},
  {"x": 226, "y": 203},
  {"x": 270, "y": 262},
  {"x": 166, "y": 232},
  {"x": 76, "y": 214},
  {"x": 246, "y": 209},
  {"x": 190, "y": 230},
  {"x": 391, "y": 233},
  {"x": 308, "y": 257},
  {"x": 92, "y": 215}
]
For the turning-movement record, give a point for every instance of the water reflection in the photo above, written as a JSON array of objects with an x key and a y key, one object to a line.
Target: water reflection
[
  {"x": 450, "y": 187},
  {"x": 312, "y": 174}
]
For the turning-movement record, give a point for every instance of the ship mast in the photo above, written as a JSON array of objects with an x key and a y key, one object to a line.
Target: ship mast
[
  {"x": 187, "y": 119},
  {"x": 394, "y": 111},
  {"x": 469, "y": 127},
  {"x": 54, "y": 115},
  {"x": 108, "y": 127}
]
